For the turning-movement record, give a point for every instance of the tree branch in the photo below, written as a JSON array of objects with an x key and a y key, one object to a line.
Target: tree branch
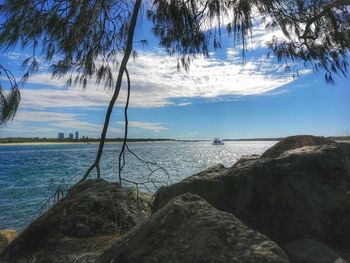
[
  {"x": 128, "y": 50},
  {"x": 326, "y": 9}
]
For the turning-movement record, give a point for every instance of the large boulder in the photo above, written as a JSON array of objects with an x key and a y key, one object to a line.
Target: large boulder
[
  {"x": 188, "y": 229},
  {"x": 294, "y": 142},
  {"x": 302, "y": 193},
  {"x": 81, "y": 225}
]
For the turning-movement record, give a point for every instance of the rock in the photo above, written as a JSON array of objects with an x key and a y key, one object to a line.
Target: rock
[
  {"x": 303, "y": 193},
  {"x": 294, "y": 142},
  {"x": 311, "y": 251},
  {"x": 82, "y": 225},
  {"x": 6, "y": 237},
  {"x": 188, "y": 229},
  {"x": 249, "y": 157}
]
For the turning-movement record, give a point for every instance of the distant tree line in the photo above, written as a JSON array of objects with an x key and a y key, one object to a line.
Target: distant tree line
[{"x": 55, "y": 140}]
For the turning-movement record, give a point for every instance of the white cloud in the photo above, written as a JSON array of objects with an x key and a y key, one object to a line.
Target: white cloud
[
  {"x": 156, "y": 81},
  {"x": 84, "y": 126},
  {"x": 77, "y": 125},
  {"x": 58, "y": 98},
  {"x": 16, "y": 56},
  {"x": 43, "y": 116},
  {"x": 156, "y": 127},
  {"x": 184, "y": 104},
  {"x": 19, "y": 128}
]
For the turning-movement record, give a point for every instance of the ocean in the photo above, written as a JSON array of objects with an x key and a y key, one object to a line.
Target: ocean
[{"x": 30, "y": 174}]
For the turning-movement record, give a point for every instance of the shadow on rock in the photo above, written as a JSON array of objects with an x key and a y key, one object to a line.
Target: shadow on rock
[
  {"x": 188, "y": 229},
  {"x": 300, "y": 193},
  {"x": 80, "y": 226}
]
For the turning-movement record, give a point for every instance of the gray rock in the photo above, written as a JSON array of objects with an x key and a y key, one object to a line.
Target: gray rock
[
  {"x": 303, "y": 193},
  {"x": 311, "y": 251},
  {"x": 188, "y": 229},
  {"x": 82, "y": 225},
  {"x": 294, "y": 142}
]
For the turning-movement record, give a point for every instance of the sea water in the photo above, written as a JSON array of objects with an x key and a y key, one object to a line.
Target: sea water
[{"x": 30, "y": 174}]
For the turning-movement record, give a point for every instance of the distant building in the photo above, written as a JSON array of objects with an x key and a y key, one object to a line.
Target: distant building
[
  {"x": 71, "y": 136},
  {"x": 83, "y": 137},
  {"x": 61, "y": 136},
  {"x": 77, "y": 135}
]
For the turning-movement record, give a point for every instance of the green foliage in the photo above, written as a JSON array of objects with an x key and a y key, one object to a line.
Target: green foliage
[
  {"x": 316, "y": 32},
  {"x": 9, "y": 103},
  {"x": 79, "y": 38}
]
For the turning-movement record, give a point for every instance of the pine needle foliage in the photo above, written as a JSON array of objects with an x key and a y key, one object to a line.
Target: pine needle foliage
[
  {"x": 8, "y": 102},
  {"x": 315, "y": 32},
  {"x": 82, "y": 37},
  {"x": 79, "y": 38}
]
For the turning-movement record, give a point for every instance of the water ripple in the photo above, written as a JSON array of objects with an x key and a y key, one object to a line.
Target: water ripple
[{"x": 30, "y": 174}]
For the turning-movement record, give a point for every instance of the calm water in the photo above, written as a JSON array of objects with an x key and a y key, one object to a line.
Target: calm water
[{"x": 30, "y": 174}]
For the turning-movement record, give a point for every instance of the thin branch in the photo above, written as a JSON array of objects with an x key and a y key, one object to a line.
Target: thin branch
[
  {"x": 121, "y": 159},
  {"x": 122, "y": 152}
]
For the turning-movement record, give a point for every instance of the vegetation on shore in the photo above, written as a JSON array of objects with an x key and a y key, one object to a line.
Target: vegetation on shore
[{"x": 67, "y": 140}]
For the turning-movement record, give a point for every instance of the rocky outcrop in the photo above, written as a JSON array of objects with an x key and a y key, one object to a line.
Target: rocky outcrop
[
  {"x": 82, "y": 225},
  {"x": 188, "y": 229},
  {"x": 6, "y": 237},
  {"x": 302, "y": 193},
  {"x": 311, "y": 251},
  {"x": 294, "y": 142}
]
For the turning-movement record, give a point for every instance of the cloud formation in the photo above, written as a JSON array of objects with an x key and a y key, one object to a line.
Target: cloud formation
[
  {"x": 152, "y": 126},
  {"x": 44, "y": 116},
  {"x": 156, "y": 82}
]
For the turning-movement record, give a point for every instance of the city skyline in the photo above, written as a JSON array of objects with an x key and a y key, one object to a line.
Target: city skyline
[{"x": 75, "y": 136}]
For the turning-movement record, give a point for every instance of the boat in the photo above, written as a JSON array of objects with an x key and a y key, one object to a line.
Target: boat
[{"x": 217, "y": 141}]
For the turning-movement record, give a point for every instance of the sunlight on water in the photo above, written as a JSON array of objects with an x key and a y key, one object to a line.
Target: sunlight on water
[{"x": 30, "y": 174}]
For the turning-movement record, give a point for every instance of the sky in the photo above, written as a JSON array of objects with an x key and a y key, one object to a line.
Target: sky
[{"x": 219, "y": 96}]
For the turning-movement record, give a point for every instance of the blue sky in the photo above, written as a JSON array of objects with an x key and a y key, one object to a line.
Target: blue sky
[{"x": 218, "y": 97}]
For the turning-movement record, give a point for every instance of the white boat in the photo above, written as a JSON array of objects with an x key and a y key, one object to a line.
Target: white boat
[{"x": 217, "y": 141}]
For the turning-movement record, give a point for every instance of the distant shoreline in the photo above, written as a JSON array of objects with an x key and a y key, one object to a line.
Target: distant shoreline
[
  {"x": 50, "y": 141},
  {"x": 41, "y": 143},
  {"x": 65, "y": 143}
]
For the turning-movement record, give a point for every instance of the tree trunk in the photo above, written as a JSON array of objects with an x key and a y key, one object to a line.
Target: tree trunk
[{"x": 127, "y": 52}]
